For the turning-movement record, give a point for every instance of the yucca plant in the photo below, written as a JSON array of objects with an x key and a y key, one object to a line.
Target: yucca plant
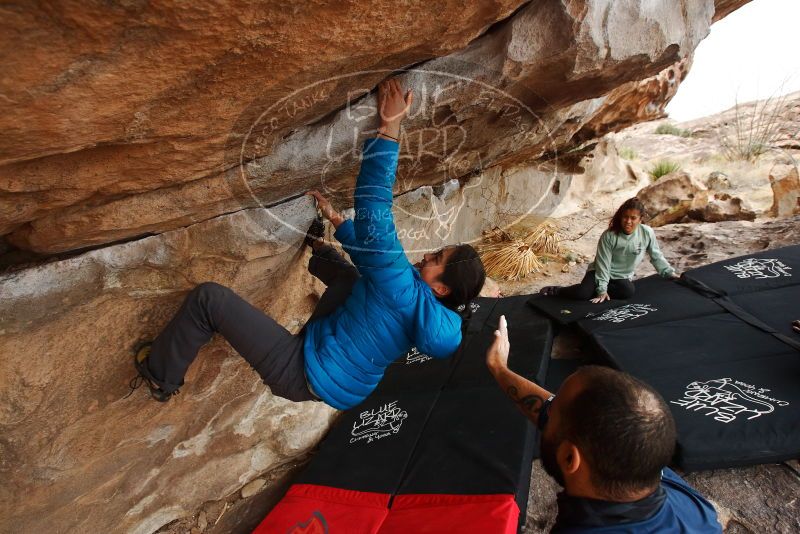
[
  {"x": 509, "y": 257},
  {"x": 663, "y": 168},
  {"x": 544, "y": 239},
  {"x": 510, "y": 260},
  {"x": 747, "y": 139}
]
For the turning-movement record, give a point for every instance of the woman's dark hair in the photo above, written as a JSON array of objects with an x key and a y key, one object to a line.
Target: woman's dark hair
[
  {"x": 464, "y": 275},
  {"x": 631, "y": 204}
]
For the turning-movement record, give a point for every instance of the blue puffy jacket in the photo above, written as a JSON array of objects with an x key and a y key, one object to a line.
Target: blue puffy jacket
[
  {"x": 684, "y": 511},
  {"x": 390, "y": 308}
]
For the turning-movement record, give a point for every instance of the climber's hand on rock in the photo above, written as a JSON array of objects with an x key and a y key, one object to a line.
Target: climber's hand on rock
[
  {"x": 393, "y": 105},
  {"x": 326, "y": 209},
  {"x": 602, "y": 298}
]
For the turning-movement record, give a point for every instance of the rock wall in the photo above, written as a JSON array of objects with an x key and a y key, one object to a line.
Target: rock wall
[
  {"x": 106, "y": 101},
  {"x": 173, "y": 120},
  {"x": 139, "y": 120},
  {"x": 80, "y": 456},
  {"x": 72, "y": 439}
]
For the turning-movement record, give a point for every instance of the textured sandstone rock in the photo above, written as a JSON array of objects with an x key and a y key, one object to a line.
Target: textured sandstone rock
[
  {"x": 638, "y": 101},
  {"x": 102, "y": 101},
  {"x": 718, "y": 181},
  {"x": 67, "y": 328},
  {"x": 722, "y": 207},
  {"x": 601, "y": 177},
  {"x": 672, "y": 198},
  {"x": 252, "y": 487},
  {"x": 122, "y": 129},
  {"x": 75, "y": 452},
  {"x": 726, "y": 7},
  {"x": 703, "y": 154},
  {"x": 142, "y": 167},
  {"x": 753, "y": 118},
  {"x": 491, "y": 289},
  {"x": 785, "y": 190}
]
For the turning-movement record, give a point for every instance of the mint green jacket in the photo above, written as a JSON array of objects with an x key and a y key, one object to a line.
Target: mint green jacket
[{"x": 618, "y": 255}]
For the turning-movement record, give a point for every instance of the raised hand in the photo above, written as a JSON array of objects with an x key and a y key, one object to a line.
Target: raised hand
[
  {"x": 393, "y": 106},
  {"x": 528, "y": 396},
  {"x": 497, "y": 355}
]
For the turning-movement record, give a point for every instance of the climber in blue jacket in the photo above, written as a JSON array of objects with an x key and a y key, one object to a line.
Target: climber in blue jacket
[{"x": 373, "y": 311}]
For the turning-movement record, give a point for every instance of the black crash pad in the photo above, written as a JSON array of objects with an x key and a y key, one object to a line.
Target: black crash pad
[
  {"x": 416, "y": 371},
  {"x": 369, "y": 447},
  {"x": 762, "y": 271},
  {"x": 476, "y": 442},
  {"x": 530, "y": 335},
  {"x": 774, "y": 309},
  {"x": 567, "y": 311},
  {"x": 734, "y": 413},
  {"x": 447, "y": 406},
  {"x": 716, "y": 339},
  {"x": 558, "y": 370},
  {"x": 705, "y": 359},
  {"x": 657, "y": 300}
]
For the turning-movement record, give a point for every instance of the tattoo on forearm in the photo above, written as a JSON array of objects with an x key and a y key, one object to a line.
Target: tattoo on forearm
[{"x": 530, "y": 404}]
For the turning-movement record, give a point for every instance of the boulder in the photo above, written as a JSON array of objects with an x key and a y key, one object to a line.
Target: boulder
[
  {"x": 637, "y": 101},
  {"x": 169, "y": 115},
  {"x": 718, "y": 181},
  {"x": 76, "y": 453},
  {"x": 672, "y": 198},
  {"x": 785, "y": 190},
  {"x": 601, "y": 177},
  {"x": 124, "y": 99},
  {"x": 165, "y": 129},
  {"x": 723, "y": 207}
]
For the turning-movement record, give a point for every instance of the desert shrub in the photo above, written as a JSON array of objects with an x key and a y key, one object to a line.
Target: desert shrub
[
  {"x": 663, "y": 168},
  {"x": 746, "y": 138},
  {"x": 671, "y": 129},
  {"x": 627, "y": 153}
]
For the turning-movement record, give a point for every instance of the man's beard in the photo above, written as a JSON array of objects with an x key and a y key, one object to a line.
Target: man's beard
[{"x": 549, "y": 462}]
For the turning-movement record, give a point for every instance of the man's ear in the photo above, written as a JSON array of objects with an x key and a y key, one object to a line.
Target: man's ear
[
  {"x": 440, "y": 289},
  {"x": 568, "y": 457}
]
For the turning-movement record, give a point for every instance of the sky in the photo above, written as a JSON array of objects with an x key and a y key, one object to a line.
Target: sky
[{"x": 752, "y": 54}]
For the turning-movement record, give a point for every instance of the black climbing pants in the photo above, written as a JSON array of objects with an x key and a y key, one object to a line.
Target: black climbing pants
[
  {"x": 269, "y": 348},
  {"x": 621, "y": 288}
]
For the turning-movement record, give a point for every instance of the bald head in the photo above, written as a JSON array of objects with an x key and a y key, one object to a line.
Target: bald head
[{"x": 622, "y": 427}]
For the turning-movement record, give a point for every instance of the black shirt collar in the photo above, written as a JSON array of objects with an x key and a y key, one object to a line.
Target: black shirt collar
[{"x": 577, "y": 511}]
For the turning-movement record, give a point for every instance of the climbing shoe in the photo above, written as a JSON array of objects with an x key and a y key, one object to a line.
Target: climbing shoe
[
  {"x": 315, "y": 232},
  {"x": 140, "y": 357},
  {"x": 549, "y": 291}
]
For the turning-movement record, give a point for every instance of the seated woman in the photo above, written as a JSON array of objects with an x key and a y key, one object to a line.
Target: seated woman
[
  {"x": 372, "y": 312},
  {"x": 620, "y": 250}
]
